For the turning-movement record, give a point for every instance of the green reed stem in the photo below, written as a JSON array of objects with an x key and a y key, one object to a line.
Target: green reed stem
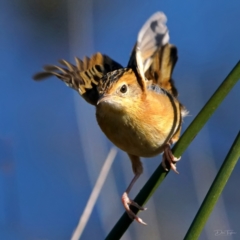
[{"x": 159, "y": 175}]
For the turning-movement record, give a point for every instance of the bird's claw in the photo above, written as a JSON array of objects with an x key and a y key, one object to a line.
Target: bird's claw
[
  {"x": 169, "y": 158},
  {"x": 127, "y": 202}
]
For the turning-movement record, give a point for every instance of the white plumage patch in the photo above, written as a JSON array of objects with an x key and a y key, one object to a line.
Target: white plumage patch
[
  {"x": 152, "y": 35},
  {"x": 184, "y": 112}
]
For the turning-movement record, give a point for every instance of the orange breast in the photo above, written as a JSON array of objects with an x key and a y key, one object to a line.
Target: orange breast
[{"x": 141, "y": 128}]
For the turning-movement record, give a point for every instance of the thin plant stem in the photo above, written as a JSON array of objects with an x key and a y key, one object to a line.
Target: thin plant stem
[
  {"x": 214, "y": 191},
  {"x": 159, "y": 174},
  {"x": 95, "y": 193}
]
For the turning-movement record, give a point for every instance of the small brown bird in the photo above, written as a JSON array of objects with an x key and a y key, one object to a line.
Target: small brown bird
[{"x": 136, "y": 106}]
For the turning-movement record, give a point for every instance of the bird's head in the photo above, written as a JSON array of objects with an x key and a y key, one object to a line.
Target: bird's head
[{"x": 120, "y": 90}]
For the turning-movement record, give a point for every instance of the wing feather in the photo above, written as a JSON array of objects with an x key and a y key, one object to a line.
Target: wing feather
[
  {"x": 160, "y": 71},
  {"x": 84, "y": 76},
  {"x": 152, "y": 36}
]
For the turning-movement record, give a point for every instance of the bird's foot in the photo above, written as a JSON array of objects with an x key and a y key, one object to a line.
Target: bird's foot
[
  {"x": 169, "y": 159},
  {"x": 127, "y": 202}
]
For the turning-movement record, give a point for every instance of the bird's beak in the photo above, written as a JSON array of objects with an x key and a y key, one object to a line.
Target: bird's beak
[{"x": 103, "y": 98}]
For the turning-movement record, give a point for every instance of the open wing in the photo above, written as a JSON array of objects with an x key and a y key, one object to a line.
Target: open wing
[
  {"x": 153, "y": 56},
  {"x": 160, "y": 71},
  {"x": 84, "y": 76}
]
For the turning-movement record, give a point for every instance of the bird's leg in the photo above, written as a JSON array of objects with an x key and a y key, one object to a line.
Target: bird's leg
[
  {"x": 127, "y": 202},
  {"x": 169, "y": 158}
]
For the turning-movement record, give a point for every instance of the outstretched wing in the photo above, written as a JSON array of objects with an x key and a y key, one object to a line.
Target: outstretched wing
[
  {"x": 160, "y": 71},
  {"x": 152, "y": 36},
  {"x": 84, "y": 77},
  {"x": 153, "y": 56}
]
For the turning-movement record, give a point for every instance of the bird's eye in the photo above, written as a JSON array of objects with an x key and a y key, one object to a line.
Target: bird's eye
[{"x": 123, "y": 89}]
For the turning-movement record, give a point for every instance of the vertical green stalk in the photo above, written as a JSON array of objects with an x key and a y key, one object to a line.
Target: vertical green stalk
[
  {"x": 159, "y": 174},
  {"x": 214, "y": 191},
  {"x": 207, "y": 111}
]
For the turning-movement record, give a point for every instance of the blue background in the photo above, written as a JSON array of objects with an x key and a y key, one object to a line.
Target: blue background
[{"x": 51, "y": 149}]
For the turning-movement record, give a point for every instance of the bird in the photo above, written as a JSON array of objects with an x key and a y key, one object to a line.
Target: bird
[{"x": 136, "y": 106}]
